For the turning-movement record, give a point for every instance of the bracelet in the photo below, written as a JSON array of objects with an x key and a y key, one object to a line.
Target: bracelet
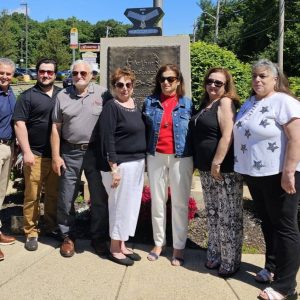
[
  {"x": 114, "y": 171},
  {"x": 215, "y": 164}
]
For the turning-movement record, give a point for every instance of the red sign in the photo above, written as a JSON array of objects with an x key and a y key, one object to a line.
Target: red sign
[{"x": 91, "y": 47}]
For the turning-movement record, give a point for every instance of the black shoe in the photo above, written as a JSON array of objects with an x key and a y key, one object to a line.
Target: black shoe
[
  {"x": 121, "y": 261},
  {"x": 31, "y": 243},
  {"x": 100, "y": 248},
  {"x": 133, "y": 256}
]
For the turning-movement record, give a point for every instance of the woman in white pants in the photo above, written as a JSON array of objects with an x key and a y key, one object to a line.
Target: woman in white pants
[
  {"x": 123, "y": 148},
  {"x": 167, "y": 113}
]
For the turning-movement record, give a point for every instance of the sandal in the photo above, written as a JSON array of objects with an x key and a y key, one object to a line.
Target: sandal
[
  {"x": 273, "y": 295},
  {"x": 177, "y": 261},
  {"x": 226, "y": 274},
  {"x": 264, "y": 276},
  {"x": 152, "y": 256},
  {"x": 212, "y": 264}
]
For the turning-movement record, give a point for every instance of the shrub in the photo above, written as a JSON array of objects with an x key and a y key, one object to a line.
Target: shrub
[
  {"x": 205, "y": 56},
  {"x": 295, "y": 85}
]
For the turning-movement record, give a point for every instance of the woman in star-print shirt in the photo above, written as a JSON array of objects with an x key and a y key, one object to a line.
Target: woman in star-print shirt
[{"x": 266, "y": 152}]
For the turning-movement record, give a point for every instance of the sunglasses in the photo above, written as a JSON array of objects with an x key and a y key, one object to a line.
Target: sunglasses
[
  {"x": 120, "y": 85},
  {"x": 82, "y": 73},
  {"x": 170, "y": 79},
  {"x": 49, "y": 72},
  {"x": 217, "y": 83}
]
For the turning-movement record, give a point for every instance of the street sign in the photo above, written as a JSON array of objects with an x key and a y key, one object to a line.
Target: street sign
[
  {"x": 144, "y": 21},
  {"x": 73, "y": 38},
  {"x": 89, "y": 47}
]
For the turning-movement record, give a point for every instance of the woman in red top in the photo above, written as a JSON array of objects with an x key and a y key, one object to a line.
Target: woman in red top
[{"x": 169, "y": 159}]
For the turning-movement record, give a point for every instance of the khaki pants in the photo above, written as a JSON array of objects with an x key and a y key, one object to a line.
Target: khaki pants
[
  {"x": 35, "y": 176},
  {"x": 6, "y": 154}
]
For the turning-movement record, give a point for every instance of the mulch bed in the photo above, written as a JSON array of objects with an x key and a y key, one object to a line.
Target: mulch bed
[{"x": 197, "y": 238}]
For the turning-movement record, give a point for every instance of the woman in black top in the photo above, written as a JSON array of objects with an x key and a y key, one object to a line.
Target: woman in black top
[
  {"x": 211, "y": 130},
  {"x": 123, "y": 146}
]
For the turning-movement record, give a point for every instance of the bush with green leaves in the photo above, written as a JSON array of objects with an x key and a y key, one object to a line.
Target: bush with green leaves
[
  {"x": 295, "y": 85},
  {"x": 205, "y": 56}
]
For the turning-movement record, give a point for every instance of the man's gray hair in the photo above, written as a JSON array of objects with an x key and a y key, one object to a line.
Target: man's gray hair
[
  {"x": 79, "y": 62},
  {"x": 265, "y": 63},
  {"x": 7, "y": 62}
]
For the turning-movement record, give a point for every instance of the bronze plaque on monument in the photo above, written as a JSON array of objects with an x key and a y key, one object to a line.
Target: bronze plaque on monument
[{"x": 145, "y": 62}]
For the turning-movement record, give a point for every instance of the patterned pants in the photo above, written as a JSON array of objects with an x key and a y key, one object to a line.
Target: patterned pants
[{"x": 223, "y": 204}]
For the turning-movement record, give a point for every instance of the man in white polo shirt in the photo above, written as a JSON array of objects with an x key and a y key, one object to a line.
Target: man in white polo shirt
[{"x": 74, "y": 117}]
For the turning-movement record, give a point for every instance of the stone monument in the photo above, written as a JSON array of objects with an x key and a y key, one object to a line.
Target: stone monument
[{"x": 145, "y": 55}]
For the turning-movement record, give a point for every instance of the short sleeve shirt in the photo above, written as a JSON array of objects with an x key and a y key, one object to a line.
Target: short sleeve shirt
[
  {"x": 259, "y": 138},
  {"x": 78, "y": 115},
  {"x": 34, "y": 107}
]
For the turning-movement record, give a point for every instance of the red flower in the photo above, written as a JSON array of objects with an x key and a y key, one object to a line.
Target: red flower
[
  {"x": 145, "y": 211},
  {"x": 146, "y": 195}
]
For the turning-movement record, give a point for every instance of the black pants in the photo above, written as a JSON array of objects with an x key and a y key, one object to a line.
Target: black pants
[{"x": 278, "y": 212}]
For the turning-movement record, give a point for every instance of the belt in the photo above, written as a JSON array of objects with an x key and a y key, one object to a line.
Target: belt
[
  {"x": 6, "y": 142},
  {"x": 82, "y": 147}
]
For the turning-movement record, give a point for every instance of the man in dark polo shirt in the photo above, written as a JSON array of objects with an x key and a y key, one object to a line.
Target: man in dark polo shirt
[
  {"x": 33, "y": 123},
  {"x": 75, "y": 115},
  {"x": 7, "y": 105}
]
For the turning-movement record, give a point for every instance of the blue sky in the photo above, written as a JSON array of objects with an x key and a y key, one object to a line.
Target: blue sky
[{"x": 179, "y": 14}]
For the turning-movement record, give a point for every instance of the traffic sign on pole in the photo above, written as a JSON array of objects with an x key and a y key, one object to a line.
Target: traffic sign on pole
[{"x": 73, "y": 38}]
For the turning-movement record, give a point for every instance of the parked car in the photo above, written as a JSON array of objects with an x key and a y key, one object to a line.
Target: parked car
[
  {"x": 22, "y": 71},
  {"x": 61, "y": 75},
  {"x": 67, "y": 81}
]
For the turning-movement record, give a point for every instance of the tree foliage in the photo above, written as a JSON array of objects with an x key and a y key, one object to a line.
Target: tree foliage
[
  {"x": 51, "y": 37},
  {"x": 249, "y": 28}
]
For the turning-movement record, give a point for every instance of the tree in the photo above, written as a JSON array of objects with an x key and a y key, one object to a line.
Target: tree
[
  {"x": 55, "y": 45},
  {"x": 250, "y": 29},
  {"x": 8, "y": 40}
]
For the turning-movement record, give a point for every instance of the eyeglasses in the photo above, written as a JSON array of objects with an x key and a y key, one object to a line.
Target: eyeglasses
[
  {"x": 82, "y": 73},
  {"x": 49, "y": 72},
  {"x": 120, "y": 85},
  {"x": 217, "y": 83},
  {"x": 5, "y": 73},
  {"x": 170, "y": 79}
]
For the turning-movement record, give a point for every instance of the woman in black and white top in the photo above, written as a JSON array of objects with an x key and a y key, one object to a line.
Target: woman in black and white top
[
  {"x": 123, "y": 146},
  {"x": 211, "y": 130},
  {"x": 266, "y": 146}
]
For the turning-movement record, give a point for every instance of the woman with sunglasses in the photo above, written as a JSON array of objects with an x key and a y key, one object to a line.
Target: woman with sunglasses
[
  {"x": 169, "y": 161},
  {"x": 266, "y": 145},
  {"x": 211, "y": 130},
  {"x": 123, "y": 148}
]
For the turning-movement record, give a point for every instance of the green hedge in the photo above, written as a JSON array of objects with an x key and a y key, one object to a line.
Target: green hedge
[
  {"x": 295, "y": 85},
  {"x": 205, "y": 56}
]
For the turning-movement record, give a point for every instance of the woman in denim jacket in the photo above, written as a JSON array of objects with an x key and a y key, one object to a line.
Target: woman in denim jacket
[{"x": 167, "y": 113}]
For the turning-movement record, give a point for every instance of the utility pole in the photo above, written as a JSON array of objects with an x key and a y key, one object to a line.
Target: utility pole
[
  {"x": 159, "y": 3},
  {"x": 108, "y": 28},
  {"x": 26, "y": 36},
  {"x": 281, "y": 34},
  {"x": 194, "y": 30},
  {"x": 217, "y": 17},
  {"x": 217, "y": 22}
]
